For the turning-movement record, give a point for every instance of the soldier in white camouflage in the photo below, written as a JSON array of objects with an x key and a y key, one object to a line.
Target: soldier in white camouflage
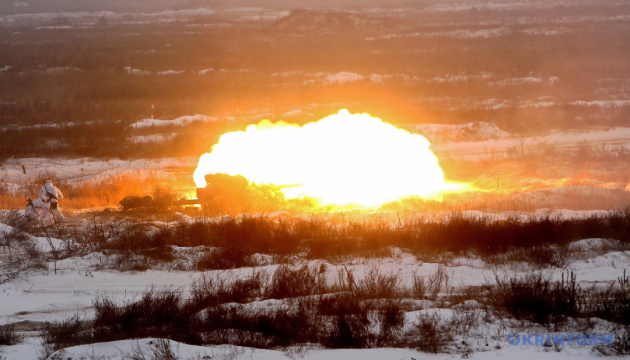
[
  {"x": 52, "y": 195},
  {"x": 36, "y": 210}
]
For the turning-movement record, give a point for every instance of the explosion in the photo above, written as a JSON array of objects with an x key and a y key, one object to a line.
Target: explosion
[{"x": 344, "y": 159}]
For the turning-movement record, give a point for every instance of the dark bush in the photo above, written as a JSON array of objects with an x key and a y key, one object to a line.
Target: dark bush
[
  {"x": 192, "y": 234},
  {"x": 541, "y": 240},
  {"x": 348, "y": 321},
  {"x": 391, "y": 319},
  {"x": 9, "y": 335},
  {"x": 222, "y": 258},
  {"x": 349, "y": 331},
  {"x": 538, "y": 299},
  {"x": 547, "y": 255},
  {"x": 158, "y": 313},
  {"x": 160, "y": 350},
  {"x": 620, "y": 345},
  {"x": 612, "y": 304},
  {"x": 160, "y": 253},
  {"x": 430, "y": 334},
  {"x": 69, "y": 332},
  {"x": 287, "y": 282},
  {"x": 207, "y": 292},
  {"x": 376, "y": 285},
  {"x": 24, "y": 256},
  {"x": 282, "y": 326}
]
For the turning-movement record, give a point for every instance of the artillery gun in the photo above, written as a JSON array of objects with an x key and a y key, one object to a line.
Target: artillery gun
[{"x": 233, "y": 194}]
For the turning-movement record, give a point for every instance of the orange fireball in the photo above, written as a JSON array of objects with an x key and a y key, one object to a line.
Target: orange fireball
[{"x": 344, "y": 159}]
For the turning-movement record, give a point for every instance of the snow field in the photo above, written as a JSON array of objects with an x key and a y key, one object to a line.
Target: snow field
[{"x": 42, "y": 296}]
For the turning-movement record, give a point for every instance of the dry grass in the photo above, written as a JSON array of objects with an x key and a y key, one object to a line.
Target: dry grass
[
  {"x": 10, "y": 201},
  {"x": 109, "y": 191},
  {"x": 91, "y": 193}
]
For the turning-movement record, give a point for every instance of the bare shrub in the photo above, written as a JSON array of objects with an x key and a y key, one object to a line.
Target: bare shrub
[
  {"x": 348, "y": 322},
  {"x": 159, "y": 313},
  {"x": 207, "y": 291},
  {"x": 281, "y": 326},
  {"x": 349, "y": 331},
  {"x": 134, "y": 237},
  {"x": 462, "y": 322},
  {"x": 197, "y": 233},
  {"x": 612, "y": 304},
  {"x": 16, "y": 220},
  {"x": 487, "y": 237},
  {"x": 429, "y": 334},
  {"x": 624, "y": 280},
  {"x": 65, "y": 333},
  {"x": 375, "y": 285},
  {"x": 540, "y": 240},
  {"x": 287, "y": 282},
  {"x": 246, "y": 290},
  {"x": 159, "y": 350},
  {"x": 540, "y": 255},
  {"x": 9, "y": 335},
  {"x": 538, "y": 299},
  {"x": 476, "y": 293},
  {"x": 620, "y": 345},
  {"x": 418, "y": 287},
  {"x": 24, "y": 256},
  {"x": 391, "y": 319},
  {"x": 42, "y": 176},
  {"x": 345, "y": 281},
  {"x": 430, "y": 287},
  {"x": 136, "y": 247},
  {"x": 222, "y": 258},
  {"x": 12, "y": 239}
]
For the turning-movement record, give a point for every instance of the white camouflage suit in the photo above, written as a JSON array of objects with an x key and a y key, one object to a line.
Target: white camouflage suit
[
  {"x": 36, "y": 209},
  {"x": 52, "y": 194}
]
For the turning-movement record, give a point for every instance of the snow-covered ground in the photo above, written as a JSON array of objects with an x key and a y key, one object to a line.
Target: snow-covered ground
[
  {"x": 180, "y": 121},
  {"x": 613, "y": 140},
  {"x": 23, "y": 170},
  {"x": 122, "y": 349},
  {"x": 43, "y": 296}
]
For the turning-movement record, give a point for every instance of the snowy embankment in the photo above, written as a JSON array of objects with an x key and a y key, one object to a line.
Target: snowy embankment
[
  {"x": 180, "y": 121},
  {"x": 613, "y": 140},
  {"x": 26, "y": 170},
  {"x": 122, "y": 350}
]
